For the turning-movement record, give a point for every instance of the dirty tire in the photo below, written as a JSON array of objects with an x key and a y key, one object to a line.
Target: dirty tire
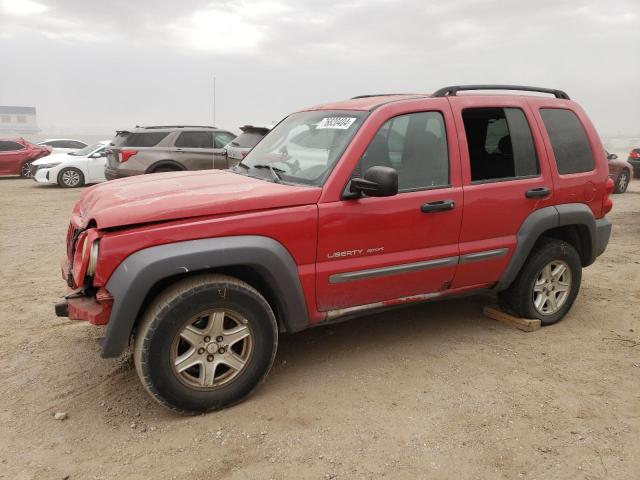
[
  {"x": 622, "y": 182},
  {"x": 70, "y": 178},
  {"x": 518, "y": 299},
  {"x": 167, "y": 316}
]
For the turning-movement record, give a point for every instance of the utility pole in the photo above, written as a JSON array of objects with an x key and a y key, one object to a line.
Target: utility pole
[{"x": 214, "y": 100}]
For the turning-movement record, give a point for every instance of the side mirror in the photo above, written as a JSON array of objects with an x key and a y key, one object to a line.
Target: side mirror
[
  {"x": 377, "y": 182},
  {"x": 612, "y": 156},
  {"x": 99, "y": 154}
]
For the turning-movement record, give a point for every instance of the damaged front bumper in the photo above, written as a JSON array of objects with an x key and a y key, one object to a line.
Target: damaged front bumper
[{"x": 78, "y": 305}]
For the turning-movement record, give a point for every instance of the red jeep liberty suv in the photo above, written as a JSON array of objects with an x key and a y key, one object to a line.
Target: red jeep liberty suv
[{"x": 343, "y": 208}]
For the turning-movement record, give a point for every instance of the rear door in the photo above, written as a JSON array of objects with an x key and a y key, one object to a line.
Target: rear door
[
  {"x": 11, "y": 156},
  {"x": 374, "y": 250},
  {"x": 194, "y": 149},
  {"x": 506, "y": 177}
]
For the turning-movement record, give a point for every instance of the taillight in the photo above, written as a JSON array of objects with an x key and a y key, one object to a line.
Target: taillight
[
  {"x": 634, "y": 154},
  {"x": 125, "y": 155},
  {"x": 607, "y": 203}
]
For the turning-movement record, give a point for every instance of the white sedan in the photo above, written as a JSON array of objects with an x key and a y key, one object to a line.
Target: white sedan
[
  {"x": 73, "y": 169},
  {"x": 63, "y": 145}
]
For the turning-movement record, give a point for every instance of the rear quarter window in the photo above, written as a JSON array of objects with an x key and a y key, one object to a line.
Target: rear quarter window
[
  {"x": 141, "y": 139},
  {"x": 569, "y": 141}
]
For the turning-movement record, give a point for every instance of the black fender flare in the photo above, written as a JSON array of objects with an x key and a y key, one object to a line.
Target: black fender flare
[
  {"x": 139, "y": 272},
  {"x": 547, "y": 218},
  {"x": 165, "y": 163}
]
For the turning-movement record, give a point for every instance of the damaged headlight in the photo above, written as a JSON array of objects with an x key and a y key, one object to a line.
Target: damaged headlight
[{"x": 93, "y": 256}]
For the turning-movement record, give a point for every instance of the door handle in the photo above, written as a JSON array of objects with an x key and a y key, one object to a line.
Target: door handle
[
  {"x": 537, "y": 192},
  {"x": 439, "y": 206}
]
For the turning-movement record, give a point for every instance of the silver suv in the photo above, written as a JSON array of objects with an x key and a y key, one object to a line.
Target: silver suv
[{"x": 166, "y": 149}]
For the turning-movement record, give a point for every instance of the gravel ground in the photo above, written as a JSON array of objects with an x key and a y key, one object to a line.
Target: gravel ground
[{"x": 432, "y": 391}]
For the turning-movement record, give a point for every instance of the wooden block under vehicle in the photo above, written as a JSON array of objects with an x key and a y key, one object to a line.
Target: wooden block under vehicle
[{"x": 524, "y": 324}]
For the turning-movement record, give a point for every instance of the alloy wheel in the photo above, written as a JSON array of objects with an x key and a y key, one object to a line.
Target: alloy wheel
[
  {"x": 71, "y": 178},
  {"x": 552, "y": 287},
  {"x": 623, "y": 181},
  {"x": 212, "y": 349},
  {"x": 27, "y": 170}
]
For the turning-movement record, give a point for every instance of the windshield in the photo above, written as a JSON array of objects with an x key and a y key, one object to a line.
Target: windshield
[
  {"x": 86, "y": 150},
  {"x": 304, "y": 147}
]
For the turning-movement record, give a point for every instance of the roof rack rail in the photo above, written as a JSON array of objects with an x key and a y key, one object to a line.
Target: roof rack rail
[
  {"x": 379, "y": 95},
  {"x": 453, "y": 90},
  {"x": 176, "y": 126}
]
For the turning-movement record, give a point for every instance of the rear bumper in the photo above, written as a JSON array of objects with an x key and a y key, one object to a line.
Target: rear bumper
[
  {"x": 111, "y": 173},
  {"x": 603, "y": 233}
]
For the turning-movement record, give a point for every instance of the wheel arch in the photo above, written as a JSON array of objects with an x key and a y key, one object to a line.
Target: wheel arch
[
  {"x": 573, "y": 223},
  {"x": 165, "y": 163},
  {"x": 259, "y": 261}
]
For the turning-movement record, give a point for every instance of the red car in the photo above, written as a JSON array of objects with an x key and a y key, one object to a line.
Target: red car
[
  {"x": 390, "y": 200},
  {"x": 620, "y": 172},
  {"x": 16, "y": 156}
]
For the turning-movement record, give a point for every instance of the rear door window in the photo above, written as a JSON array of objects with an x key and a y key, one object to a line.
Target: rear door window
[
  {"x": 569, "y": 141},
  {"x": 500, "y": 144},
  {"x": 141, "y": 139},
  {"x": 195, "y": 140}
]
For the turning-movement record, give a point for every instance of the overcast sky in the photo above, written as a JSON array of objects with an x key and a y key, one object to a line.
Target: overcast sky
[{"x": 93, "y": 66}]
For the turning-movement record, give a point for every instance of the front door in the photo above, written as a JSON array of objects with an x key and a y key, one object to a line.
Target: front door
[
  {"x": 96, "y": 163},
  {"x": 505, "y": 176},
  {"x": 372, "y": 250}
]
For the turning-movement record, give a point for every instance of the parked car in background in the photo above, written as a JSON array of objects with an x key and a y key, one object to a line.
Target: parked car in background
[
  {"x": 202, "y": 271},
  {"x": 73, "y": 169},
  {"x": 620, "y": 172},
  {"x": 634, "y": 160},
  {"x": 243, "y": 143},
  {"x": 166, "y": 149},
  {"x": 17, "y": 155},
  {"x": 63, "y": 145}
]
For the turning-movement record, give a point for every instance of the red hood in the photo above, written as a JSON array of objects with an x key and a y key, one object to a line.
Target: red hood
[{"x": 175, "y": 195}]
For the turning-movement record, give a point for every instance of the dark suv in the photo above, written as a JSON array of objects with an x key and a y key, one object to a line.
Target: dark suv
[
  {"x": 342, "y": 209},
  {"x": 166, "y": 149}
]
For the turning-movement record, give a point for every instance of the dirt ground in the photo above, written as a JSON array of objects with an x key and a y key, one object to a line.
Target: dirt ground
[{"x": 433, "y": 391}]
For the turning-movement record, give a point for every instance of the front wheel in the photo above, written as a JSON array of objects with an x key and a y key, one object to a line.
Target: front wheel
[
  {"x": 70, "y": 178},
  {"x": 622, "y": 182},
  {"x": 205, "y": 343},
  {"x": 547, "y": 284}
]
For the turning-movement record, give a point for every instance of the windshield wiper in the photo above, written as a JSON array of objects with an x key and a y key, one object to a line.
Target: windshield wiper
[{"x": 275, "y": 171}]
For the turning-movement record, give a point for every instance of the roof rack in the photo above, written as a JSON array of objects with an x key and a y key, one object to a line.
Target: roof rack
[
  {"x": 176, "y": 126},
  {"x": 380, "y": 95},
  {"x": 453, "y": 90}
]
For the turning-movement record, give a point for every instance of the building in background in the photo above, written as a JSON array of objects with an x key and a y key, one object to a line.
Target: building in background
[{"x": 18, "y": 120}]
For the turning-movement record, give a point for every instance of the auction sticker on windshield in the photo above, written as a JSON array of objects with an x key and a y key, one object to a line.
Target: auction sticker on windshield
[{"x": 340, "y": 123}]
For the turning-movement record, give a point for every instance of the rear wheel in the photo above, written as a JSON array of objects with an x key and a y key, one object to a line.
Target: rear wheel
[
  {"x": 205, "y": 343},
  {"x": 70, "y": 178},
  {"x": 622, "y": 182},
  {"x": 547, "y": 284},
  {"x": 26, "y": 170}
]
